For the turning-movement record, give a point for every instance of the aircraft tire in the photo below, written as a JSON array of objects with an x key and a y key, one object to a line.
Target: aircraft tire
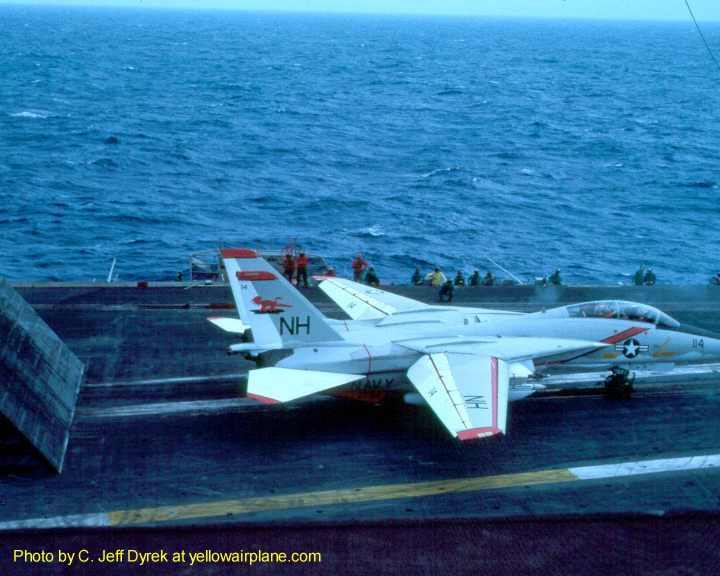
[{"x": 618, "y": 388}]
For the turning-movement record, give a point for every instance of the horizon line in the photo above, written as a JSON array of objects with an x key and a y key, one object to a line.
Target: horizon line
[{"x": 392, "y": 13}]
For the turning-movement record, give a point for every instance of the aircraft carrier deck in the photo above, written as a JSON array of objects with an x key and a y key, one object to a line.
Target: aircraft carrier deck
[{"x": 161, "y": 437}]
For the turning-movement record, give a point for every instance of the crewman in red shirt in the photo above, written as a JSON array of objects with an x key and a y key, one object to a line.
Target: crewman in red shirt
[
  {"x": 358, "y": 265},
  {"x": 289, "y": 267},
  {"x": 301, "y": 263}
]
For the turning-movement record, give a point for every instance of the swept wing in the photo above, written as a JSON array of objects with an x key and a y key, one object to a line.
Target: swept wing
[
  {"x": 466, "y": 382},
  {"x": 362, "y": 302}
]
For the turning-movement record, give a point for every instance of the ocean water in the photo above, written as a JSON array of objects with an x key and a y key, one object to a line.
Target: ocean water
[{"x": 146, "y": 135}]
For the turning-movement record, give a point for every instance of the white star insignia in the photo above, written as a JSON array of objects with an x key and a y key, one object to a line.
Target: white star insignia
[{"x": 631, "y": 349}]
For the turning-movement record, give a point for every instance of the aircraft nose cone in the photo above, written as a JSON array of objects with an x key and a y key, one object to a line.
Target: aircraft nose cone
[
  {"x": 693, "y": 330},
  {"x": 705, "y": 341},
  {"x": 711, "y": 347}
]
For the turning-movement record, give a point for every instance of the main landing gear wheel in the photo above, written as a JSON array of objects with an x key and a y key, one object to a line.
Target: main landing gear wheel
[{"x": 619, "y": 384}]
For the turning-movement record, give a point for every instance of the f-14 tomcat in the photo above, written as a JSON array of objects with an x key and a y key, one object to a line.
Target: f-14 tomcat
[{"x": 465, "y": 363}]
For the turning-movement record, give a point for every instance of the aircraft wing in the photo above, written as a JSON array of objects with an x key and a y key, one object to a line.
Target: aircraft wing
[
  {"x": 509, "y": 349},
  {"x": 469, "y": 394},
  {"x": 362, "y": 302}
]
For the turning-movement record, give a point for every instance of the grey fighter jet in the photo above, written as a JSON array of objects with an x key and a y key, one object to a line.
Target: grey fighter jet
[{"x": 465, "y": 363}]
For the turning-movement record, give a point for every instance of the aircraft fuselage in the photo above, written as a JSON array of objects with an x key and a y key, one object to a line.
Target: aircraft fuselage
[{"x": 380, "y": 352}]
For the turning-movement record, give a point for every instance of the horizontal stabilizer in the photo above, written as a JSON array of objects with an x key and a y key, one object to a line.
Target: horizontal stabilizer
[
  {"x": 232, "y": 325},
  {"x": 252, "y": 348},
  {"x": 276, "y": 385}
]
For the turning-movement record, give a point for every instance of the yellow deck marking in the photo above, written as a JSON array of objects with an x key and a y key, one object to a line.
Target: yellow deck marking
[
  {"x": 331, "y": 497},
  {"x": 349, "y": 496}
]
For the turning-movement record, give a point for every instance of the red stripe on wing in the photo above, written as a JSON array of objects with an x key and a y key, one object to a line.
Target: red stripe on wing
[{"x": 474, "y": 433}]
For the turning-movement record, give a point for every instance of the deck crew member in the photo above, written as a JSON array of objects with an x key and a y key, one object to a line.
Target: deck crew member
[
  {"x": 555, "y": 279},
  {"x": 437, "y": 278},
  {"x": 358, "y": 265},
  {"x": 639, "y": 276},
  {"x": 650, "y": 278},
  {"x": 301, "y": 263},
  {"x": 371, "y": 278},
  {"x": 446, "y": 291},
  {"x": 417, "y": 278},
  {"x": 459, "y": 279},
  {"x": 289, "y": 267}
]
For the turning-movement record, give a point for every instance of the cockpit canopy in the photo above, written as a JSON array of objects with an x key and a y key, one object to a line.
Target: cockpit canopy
[{"x": 620, "y": 310}]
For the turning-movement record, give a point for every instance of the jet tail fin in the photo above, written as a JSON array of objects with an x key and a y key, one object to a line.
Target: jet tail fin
[
  {"x": 273, "y": 308},
  {"x": 277, "y": 385}
]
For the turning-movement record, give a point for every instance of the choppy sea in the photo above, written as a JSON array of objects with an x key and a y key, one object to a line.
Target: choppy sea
[{"x": 145, "y": 135}]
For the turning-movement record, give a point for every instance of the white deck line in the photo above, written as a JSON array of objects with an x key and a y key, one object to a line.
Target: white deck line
[
  {"x": 71, "y": 521},
  {"x": 165, "y": 408},
  {"x": 624, "y": 469},
  {"x": 175, "y": 380}
]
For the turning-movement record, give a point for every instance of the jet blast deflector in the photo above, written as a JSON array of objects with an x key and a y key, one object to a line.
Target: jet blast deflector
[{"x": 39, "y": 378}]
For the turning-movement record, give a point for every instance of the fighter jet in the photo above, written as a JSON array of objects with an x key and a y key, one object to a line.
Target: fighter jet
[{"x": 465, "y": 363}]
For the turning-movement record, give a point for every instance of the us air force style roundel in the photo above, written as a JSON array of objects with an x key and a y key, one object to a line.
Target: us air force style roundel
[{"x": 631, "y": 348}]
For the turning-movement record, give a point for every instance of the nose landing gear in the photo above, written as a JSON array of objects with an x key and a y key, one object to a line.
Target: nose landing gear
[{"x": 619, "y": 384}]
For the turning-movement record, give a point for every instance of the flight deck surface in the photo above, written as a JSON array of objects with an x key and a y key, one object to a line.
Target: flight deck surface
[{"x": 162, "y": 436}]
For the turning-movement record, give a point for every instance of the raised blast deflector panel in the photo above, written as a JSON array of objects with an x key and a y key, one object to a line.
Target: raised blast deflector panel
[{"x": 39, "y": 377}]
